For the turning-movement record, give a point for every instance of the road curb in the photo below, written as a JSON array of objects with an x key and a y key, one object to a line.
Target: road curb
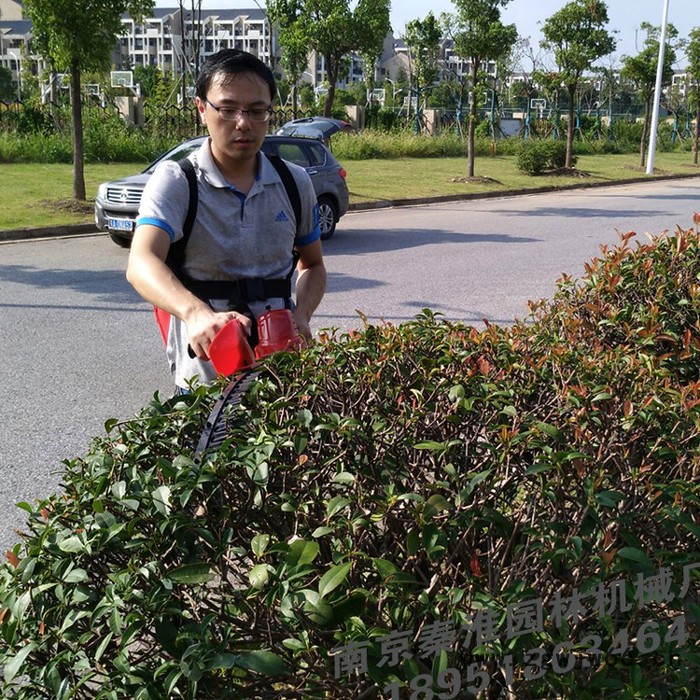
[{"x": 24, "y": 234}]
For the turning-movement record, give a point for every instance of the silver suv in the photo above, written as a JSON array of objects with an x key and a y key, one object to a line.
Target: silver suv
[{"x": 117, "y": 202}]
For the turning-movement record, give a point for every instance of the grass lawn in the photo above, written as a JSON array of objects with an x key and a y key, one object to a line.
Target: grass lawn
[{"x": 40, "y": 194}]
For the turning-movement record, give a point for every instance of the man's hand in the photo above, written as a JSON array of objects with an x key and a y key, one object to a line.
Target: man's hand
[
  {"x": 311, "y": 284},
  {"x": 302, "y": 325},
  {"x": 203, "y": 324},
  {"x": 156, "y": 283}
]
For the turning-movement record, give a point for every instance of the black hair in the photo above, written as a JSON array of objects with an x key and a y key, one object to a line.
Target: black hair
[{"x": 229, "y": 62}]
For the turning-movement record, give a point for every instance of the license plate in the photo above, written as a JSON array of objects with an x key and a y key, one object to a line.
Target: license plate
[{"x": 120, "y": 224}]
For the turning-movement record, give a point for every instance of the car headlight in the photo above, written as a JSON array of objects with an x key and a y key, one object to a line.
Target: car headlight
[{"x": 102, "y": 191}]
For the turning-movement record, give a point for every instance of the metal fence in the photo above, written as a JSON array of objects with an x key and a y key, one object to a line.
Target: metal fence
[{"x": 172, "y": 120}]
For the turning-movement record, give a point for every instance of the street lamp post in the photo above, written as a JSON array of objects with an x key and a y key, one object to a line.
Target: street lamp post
[{"x": 657, "y": 92}]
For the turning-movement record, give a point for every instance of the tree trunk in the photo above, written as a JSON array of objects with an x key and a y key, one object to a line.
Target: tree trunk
[
  {"x": 696, "y": 135},
  {"x": 472, "y": 119},
  {"x": 78, "y": 149},
  {"x": 570, "y": 128},
  {"x": 332, "y": 77}
]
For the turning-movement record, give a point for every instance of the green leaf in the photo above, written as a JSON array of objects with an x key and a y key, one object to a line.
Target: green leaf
[
  {"x": 302, "y": 552},
  {"x": 76, "y": 576},
  {"x": 258, "y": 576},
  {"x": 434, "y": 505},
  {"x": 305, "y": 417},
  {"x": 119, "y": 490},
  {"x": 103, "y": 646},
  {"x": 333, "y": 578},
  {"x": 336, "y": 504},
  {"x": 14, "y": 666},
  {"x": 259, "y": 544},
  {"x": 456, "y": 392},
  {"x": 539, "y": 467},
  {"x": 191, "y": 573},
  {"x": 161, "y": 499},
  {"x": 321, "y": 531},
  {"x": 551, "y": 430},
  {"x": 385, "y": 567},
  {"x": 264, "y": 662},
  {"x": 475, "y": 481},
  {"x": 71, "y": 545},
  {"x": 635, "y": 555},
  {"x": 343, "y": 478},
  {"x": 223, "y": 661},
  {"x": 429, "y": 445}
]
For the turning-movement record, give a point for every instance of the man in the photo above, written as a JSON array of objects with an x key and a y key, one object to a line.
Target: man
[{"x": 245, "y": 227}]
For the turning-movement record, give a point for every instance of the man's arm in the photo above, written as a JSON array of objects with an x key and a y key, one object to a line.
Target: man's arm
[
  {"x": 310, "y": 287},
  {"x": 156, "y": 283}
]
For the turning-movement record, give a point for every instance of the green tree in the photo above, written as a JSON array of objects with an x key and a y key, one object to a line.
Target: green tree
[
  {"x": 479, "y": 36},
  {"x": 578, "y": 37},
  {"x": 77, "y": 36},
  {"x": 291, "y": 35},
  {"x": 422, "y": 38},
  {"x": 333, "y": 30},
  {"x": 375, "y": 20},
  {"x": 641, "y": 71},
  {"x": 8, "y": 92},
  {"x": 693, "y": 57}
]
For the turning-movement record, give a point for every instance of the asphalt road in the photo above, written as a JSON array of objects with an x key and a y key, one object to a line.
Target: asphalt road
[{"x": 79, "y": 346}]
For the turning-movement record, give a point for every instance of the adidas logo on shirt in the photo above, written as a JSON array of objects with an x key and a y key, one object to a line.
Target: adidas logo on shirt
[{"x": 281, "y": 217}]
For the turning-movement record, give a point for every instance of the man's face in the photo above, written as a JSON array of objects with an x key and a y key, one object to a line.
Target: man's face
[{"x": 235, "y": 142}]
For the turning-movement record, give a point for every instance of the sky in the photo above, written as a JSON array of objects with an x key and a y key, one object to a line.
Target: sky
[{"x": 625, "y": 16}]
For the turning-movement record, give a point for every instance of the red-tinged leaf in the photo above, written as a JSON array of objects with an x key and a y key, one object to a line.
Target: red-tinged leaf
[
  {"x": 44, "y": 514},
  {"x": 303, "y": 459},
  {"x": 3, "y": 612},
  {"x": 474, "y": 565},
  {"x": 627, "y": 408},
  {"x": 41, "y": 627},
  {"x": 484, "y": 366},
  {"x": 607, "y": 557},
  {"x": 12, "y": 558}
]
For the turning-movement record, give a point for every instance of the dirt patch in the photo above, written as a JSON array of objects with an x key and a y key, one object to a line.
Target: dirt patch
[
  {"x": 74, "y": 206},
  {"x": 643, "y": 169},
  {"x": 476, "y": 179},
  {"x": 567, "y": 172}
]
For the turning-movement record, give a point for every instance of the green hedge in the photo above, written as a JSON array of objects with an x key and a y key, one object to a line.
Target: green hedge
[{"x": 513, "y": 507}]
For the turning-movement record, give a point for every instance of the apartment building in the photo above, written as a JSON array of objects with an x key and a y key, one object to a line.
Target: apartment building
[{"x": 168, "y": 38}]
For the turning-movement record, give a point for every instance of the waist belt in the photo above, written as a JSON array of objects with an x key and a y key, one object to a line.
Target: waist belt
[{"x": 239, "y": 292}]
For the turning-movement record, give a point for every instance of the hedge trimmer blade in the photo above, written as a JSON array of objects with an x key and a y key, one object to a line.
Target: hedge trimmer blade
[{"x": 216, "y": 428}]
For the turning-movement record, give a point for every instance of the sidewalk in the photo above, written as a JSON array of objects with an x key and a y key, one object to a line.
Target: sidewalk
[{"x": 90, "y": 228}]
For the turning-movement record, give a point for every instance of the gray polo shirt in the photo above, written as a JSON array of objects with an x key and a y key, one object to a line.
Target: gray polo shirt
[{"x": 235, "y": 235}]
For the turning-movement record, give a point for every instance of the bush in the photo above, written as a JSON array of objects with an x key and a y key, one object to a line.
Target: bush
[
  {"x": 520, "y": 504},
  {"x": 535, "y": 157}
]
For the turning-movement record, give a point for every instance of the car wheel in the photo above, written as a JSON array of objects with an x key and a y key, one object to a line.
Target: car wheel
[
  {"x": 327, "y": 217},
  {"x": 121, "y": 241}
]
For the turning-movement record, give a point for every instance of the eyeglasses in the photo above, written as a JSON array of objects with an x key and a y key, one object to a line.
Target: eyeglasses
[{"x": 232, "y": 114}]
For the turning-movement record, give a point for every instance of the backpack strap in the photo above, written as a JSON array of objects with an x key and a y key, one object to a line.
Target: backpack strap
[
  {"x": 176, "y": 253},
  {"x": 290, "y": 186},
  {"x": 239, "y": 292}
]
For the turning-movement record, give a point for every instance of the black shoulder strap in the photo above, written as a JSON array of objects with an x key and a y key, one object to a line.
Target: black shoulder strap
[
  {"x": 176, "y": 253},
  {"x": 290, "y": 185}
]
